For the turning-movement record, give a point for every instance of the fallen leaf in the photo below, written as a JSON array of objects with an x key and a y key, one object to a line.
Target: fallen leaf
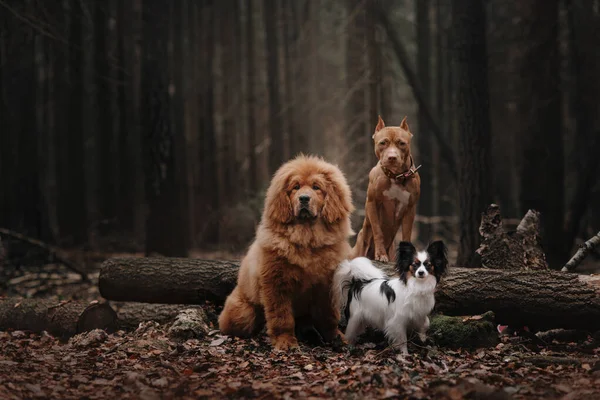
[
  {"x": 308, "y": 367},
  {"x": 562, "y": 388},
  {"x": 218, "y": 342}
]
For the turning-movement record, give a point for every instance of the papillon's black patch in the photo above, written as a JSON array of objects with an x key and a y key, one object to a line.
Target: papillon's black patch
[
  {"x": 406, "y": 253},
  {"x": 437, "y": 252},
  {"x": 356, "y": 286},
  {"x": 387, "y": 290}
]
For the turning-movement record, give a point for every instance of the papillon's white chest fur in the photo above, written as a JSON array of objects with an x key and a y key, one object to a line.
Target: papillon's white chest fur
[{"x": 369, "y": 298}]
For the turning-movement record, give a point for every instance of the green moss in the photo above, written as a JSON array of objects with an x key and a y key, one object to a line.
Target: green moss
[{"x": 463, "y": 332}]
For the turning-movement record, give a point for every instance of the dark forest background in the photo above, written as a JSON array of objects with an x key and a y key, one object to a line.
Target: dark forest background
[{"x": 155, "y": 126}]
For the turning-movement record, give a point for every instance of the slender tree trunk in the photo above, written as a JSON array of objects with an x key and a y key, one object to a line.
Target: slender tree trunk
[
  {"x": 106, "y": 165},
  {"x": 276, "y": 150},
  {"x": 209, "y": 184},
  {"x": 72, "y": 185},
  {"x": 423, "y": 135},
  {"x": 89, "y": 122},
  {"x": 290, "y": 36},
  {"x": 134, "y": 185},
  {"x": 47, "y": 144},
  {"x": 473, "y": 121},
  {"x": 165, "y": 232},
  {"x": 542, "y": 174},
  {"x": 250, "y": 101},
  {"x": 357, "y": 130},
  {"x": 178, "y": 127}
]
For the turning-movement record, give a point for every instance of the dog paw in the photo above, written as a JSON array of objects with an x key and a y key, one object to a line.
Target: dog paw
[
  {"x": 381, "y": 258},
  {"x": 285, "y": 343}
]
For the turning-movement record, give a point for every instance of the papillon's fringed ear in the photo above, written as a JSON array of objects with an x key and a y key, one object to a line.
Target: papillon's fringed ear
[
  {"x": 405, "y": 256},
  {"x": 437, "y": 252}
]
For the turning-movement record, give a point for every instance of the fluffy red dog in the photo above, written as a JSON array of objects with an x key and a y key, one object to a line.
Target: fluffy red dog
[{"x": 286, "y": 275}]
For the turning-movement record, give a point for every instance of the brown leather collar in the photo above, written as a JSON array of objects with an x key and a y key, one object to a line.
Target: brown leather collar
[{"x": 402, "y": 177}]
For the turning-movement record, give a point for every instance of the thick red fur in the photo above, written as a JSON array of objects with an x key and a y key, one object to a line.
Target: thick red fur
[{"x": 287, "y": 273}]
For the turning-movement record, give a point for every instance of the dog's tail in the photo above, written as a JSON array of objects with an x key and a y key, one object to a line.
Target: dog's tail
[{"x": 350, "y": 272}]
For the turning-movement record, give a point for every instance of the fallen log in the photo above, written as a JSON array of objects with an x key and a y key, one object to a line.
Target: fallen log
[
  {"x": 61, "y": 319},
  {"x": 130, "y": 314},
  {"x": 540, "y": 301}
]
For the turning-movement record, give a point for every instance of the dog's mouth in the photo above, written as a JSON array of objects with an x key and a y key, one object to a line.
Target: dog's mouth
[
  {"x": 305, "y": 214},
  {"x": 394, "y": 167}
]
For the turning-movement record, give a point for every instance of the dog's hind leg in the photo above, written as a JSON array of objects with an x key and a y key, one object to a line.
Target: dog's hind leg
[
  {"x": 395, "y": 331},
  {"x": 239, "y": 317}
]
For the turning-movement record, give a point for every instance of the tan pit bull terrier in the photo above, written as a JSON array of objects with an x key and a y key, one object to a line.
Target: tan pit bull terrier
[{"x": 392, "y": 196}]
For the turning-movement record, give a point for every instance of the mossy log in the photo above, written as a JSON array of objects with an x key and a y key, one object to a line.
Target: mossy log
[
  {"x": 464, "y": 332},
  {"x": 540, "y": 301}
]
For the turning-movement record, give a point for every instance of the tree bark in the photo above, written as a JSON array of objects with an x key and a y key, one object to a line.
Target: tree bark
[
  {"x": 540, "y": 301},
  {"x": 63, "y": 319},
  {"x": 474, "y": 177},
  {"x": 356, "y": 129},
  {"x": 253, "y": 181},
  {"x": 165, "y": 224},
  {"x": 277, "y": 148},
  {"x": 423, "y": 136},
  {"x": 540, "y": 131},
  {"x": 131, "y": 314}
]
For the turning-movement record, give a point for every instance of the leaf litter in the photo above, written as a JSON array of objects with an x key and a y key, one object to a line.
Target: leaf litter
[{"x": 147, "y": 364}]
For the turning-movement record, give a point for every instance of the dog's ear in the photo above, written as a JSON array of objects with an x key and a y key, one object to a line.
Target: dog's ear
[
  {"x": 437, "y": 252},
  {"x": 405, "y": 256},
  {"x": 380, "y": 126},
  {"x": 278, "y": 205},
  {"x": 404, "y": 125},
  {"x": 338, "y": 200}
]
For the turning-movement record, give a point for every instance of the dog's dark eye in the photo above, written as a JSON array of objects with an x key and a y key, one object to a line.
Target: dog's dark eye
[
  {"x": 382, "y": 142},
  {"x": 297, "y": 187},
  {"x": 401, "y": 144},
  {"x": 315, "y": 187}
]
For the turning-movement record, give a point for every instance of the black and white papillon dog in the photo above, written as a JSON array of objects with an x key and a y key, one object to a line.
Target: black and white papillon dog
[{"x": 369, "y": 298}]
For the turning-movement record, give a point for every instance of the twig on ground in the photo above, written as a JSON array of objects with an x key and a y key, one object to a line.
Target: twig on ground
[
  {"x": 583, "y": 251},
  {"x": 51, "y": 250}
]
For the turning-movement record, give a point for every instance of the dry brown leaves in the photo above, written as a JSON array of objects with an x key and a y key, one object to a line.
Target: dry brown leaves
[{"x": 147, "y": 364}]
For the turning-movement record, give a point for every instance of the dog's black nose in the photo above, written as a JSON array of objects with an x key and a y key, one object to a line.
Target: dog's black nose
[
  {"x": 304, "y": 199},
  {"x": 421, "y": 273}
]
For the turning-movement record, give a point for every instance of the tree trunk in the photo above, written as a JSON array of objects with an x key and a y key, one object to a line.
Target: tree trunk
[
  {"x": 540, "y": 132},
  {"x": 132, "y": 206},
  {"x": 423, "y": 135},
  {"x": 165, "y": 226},
  {"x": 540, "y": 301},
  {"x": 276, "y": 150},
  {"x": 253, "y": 181},
  {"x": 63, "y": 319},
  {"x": 357, "y": 131},
  {"x": 208, "y": 184},
  {"x": 72, "y": 173},
  {"x": 473, "y": 121}
]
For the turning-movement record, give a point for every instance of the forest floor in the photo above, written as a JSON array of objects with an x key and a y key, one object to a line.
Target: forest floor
[{"x": 147, "y": 364}]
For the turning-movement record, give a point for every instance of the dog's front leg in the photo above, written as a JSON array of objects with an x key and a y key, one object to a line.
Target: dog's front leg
[
  {"x": 326, "y": 314},
  {"x": 378, "y": 241},
  {"x": 407, "y": 223},
  {"x": 396, "y": 333},
  {"x": 279, "y": 312},
  {"x": 423, "y": 330}
]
